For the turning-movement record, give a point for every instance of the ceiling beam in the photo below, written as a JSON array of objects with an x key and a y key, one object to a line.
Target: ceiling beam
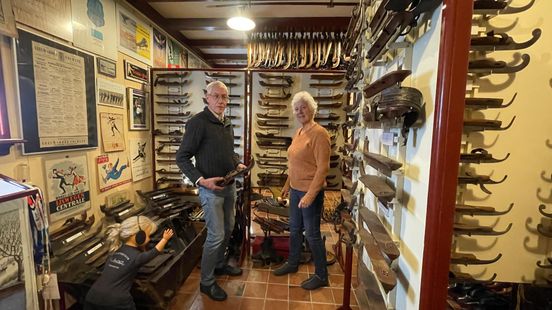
[
  {"x": 265, "y": 24},
  {"x": 214, "y": 43},
  {"x": 161, "y": 22},
  {"x": 327, "y": 3},
  {"x": 226, "y": 56}
]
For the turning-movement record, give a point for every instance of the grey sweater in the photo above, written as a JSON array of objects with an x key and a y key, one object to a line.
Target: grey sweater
[{"x": 211, "y": 143}]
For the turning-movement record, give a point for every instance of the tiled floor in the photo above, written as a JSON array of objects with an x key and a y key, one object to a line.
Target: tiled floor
[{"x": 258, "y": 289}]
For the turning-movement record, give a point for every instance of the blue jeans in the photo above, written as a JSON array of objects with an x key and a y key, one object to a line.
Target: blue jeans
[
  {"x": 309, "y": 219},
  {"x": 219, "y": 219}
]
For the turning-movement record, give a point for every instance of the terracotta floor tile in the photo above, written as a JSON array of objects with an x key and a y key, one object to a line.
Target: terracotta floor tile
[
  {"x": 322, "y": 295},
  {"x": 293, "y": 305},
  {"x": 258, "y": 276},
  {"x": 191, "y": 285},
  {"x": 257, "y": 290},
  {"x": 278, "y": 279},
  {"x": 324, "y": 307},
  {"x": 354, "y": 301},
  {"x": 251, "y": 304},
  {"x": 276, "y": 304},
  {"x": 203, "y": 302},
  {"x": 297, "y": 293},
  {"x": 277, "y": 291},
  {"x": 336, "y": 280},
  {"x": 335, "y": 269},
  {"x": 338, "y": 295},
  {"x": 303, "y": 268},
  {"x": 242, "y": 277},
  {"x": 297, "y": 278},
  {"x": 234, "y": 288},
  {"x": 182, "y": 301}
]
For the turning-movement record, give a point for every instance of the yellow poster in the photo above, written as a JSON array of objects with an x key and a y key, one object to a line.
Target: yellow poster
[{"x": 143, "y": 41}]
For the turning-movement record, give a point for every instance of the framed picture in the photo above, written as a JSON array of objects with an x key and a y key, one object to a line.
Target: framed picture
[
  {"x": 113, "y": 138},
  {"x": 95, "y": 26},
  {"x": 106, "y": 67},
  {"x": 135, "y": 36},
  {"x": 136, "y": 73},
  {"x": 46, "y": 70},
  {"x": 113, "y": 170},
  {"x": 7, "y": 20},
  {"x": 140, "y": 154},
  {"x": 110, "y": 94},
  {"x": 137, "y": 109},
  {"x": 67, "y": 184}
]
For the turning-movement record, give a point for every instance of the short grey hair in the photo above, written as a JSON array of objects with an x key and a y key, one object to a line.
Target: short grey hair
[
  {"x": 215, "y": 84},
  {"x": 304, "y": 96},
  {"x": 119, "y": 233}
]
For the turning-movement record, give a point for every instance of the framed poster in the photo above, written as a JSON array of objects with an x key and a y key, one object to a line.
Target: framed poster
[
  {"x": 140, "y": 154},
  {"x": 113, "y": 170},
  {"x": 136, "y": 73},
  {"x": 113, "y": 138},
  {"x": 138, "y": 112},
  {"x": 95, "y": 26},
  {"x": 50, "y": 16},
  {"x": 106, "y": 67},
  {"x": 57, "y": 93},
  {"x": 159, "y": 49},
  {"x": 173, "y": 56},
  {"x": 135, "y": 36},
  {"x": 7, "y": 20},
  {"x": 67, "y": 185},
  {"x": 110, "y": 94}
]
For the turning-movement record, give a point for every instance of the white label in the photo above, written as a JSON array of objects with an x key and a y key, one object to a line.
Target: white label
[
  {"x": 73, "y": 237},
  {"x": 168, "y": 205},
  {"x": 92, "y": 250},
  {"x": 123, "y": 212}
]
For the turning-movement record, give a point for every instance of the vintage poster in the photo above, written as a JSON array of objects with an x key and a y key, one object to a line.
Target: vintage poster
[
  {"x": 159, "y": 49},
  {"x": 113, "y": 170},
  {"x": 193, "y": 62},
  {"x": 11, "y": 247},
  {"x": 173, "y": 56},
  {"x": 135, "y": 36},
  {"x": 113, "y": 138},
  {"x": 57, "y": 92},
  {"x": 141, "y": 158},
  {"x": 67, "y": 185},
  {"x": 59, "y": 79},
  {"x": 50, "y": 16},
  {"x": 95, "y": 26},
  {"x": 138, "y": 111},
  {"x": 136, "y": 73},
  {"x": 7, "y": 20},
  {"x": 110, "y": 94},
  {"x": 184, "y": 58}
]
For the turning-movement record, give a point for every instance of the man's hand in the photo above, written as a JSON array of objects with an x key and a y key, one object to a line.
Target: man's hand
[
  {"x": 305, "y": 202},
  {"x": 211, "y": 183},
  {"x": 241, "y": 167}
]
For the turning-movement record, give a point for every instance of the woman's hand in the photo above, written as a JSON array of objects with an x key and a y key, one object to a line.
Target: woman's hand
[
  {"x": 285, "y": 191},
  {"x": 167, "y": 234},
  {"x": 305, "y": 202}
]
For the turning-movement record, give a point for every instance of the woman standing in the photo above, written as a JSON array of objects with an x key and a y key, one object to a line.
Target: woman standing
[{"x": 308, "y": 165}]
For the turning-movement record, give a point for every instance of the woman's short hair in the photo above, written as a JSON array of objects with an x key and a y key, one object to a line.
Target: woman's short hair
[
  {"x": 304, "y": 96},
  {"x": 119, "y": 233},
  {"x": 215, "y": 84}
]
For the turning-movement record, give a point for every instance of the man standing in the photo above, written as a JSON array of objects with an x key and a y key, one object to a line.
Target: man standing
[{"x": 209, "y": 139}]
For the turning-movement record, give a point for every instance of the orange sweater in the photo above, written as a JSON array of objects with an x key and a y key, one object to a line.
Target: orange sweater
[{"x": 309, "y": 160}]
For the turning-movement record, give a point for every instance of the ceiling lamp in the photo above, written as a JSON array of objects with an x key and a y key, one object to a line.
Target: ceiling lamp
[{"x": 240, "y": 23}]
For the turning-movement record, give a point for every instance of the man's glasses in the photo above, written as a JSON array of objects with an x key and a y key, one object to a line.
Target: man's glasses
[{"x": 220, "y": 97}]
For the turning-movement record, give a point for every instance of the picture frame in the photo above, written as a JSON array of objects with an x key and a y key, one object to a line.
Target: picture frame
[
  {"x": 138, "y": 111},
  {"x": 106, "y": 67},
  {"x": 7, "y": 19},
  {"x": 63, "y": 125},
  {"x": 136, "y": 73}
]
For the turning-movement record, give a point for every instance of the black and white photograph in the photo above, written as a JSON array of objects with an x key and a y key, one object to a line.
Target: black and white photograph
[
  {"x": 110, "y": 94},
  {"x": 11, "y": 250},
  {"x": 106, "y": 67}
]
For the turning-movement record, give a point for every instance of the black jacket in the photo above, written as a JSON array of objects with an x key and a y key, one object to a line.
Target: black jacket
[{"x": 211, "y": 143}]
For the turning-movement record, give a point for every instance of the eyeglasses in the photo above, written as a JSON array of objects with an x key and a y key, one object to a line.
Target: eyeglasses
[{"x": 219, "y": 97}]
